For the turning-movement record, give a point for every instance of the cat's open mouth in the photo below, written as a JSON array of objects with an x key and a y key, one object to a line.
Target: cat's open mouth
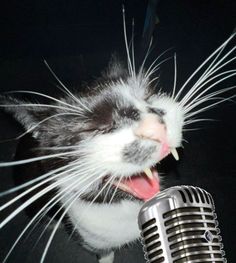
[{"x": 144, "y": 185}]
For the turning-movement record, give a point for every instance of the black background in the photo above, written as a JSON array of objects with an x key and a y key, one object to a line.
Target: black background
[{"x": 77, "y": 38}]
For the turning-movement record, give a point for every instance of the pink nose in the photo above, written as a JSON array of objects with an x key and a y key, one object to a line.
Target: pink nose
[{"x": 151, "y": 128}]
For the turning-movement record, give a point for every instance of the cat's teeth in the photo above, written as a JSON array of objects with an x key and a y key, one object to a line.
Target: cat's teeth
[
  {"x": 175, "y": 153},
  {"x": 148, "y": 172}
]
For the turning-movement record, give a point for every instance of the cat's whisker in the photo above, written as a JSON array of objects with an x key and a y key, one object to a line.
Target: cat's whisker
[
  {"x": 34, "y": 218},
  {"x": 192, "y": 129},
  {"x": 66, "y": 192},
  {"x": 175, "y": 77},
  {"x": 206, "y": 98},
  {"x": 43, "y": 121},
  {"x": 38, "y": 195},
  {"x": 150, "y": 72},
  {"x": 34, "y": 105},
  {"x": 195, "y": 89},
  {"x": 57, "y": 225},
  {"x": 228, "y": 75},
  {"x": 154, "y": 79},
  {"x": 196, "y": 120},
  {"x": 40, "y": 178},
  {"x": 212, "y": 68},
  {"x": 109, "y": 181},
  {"x": 132, "y": 48},
  {"x": 75, "y": 166},
  {"x": 145, "y": 58},
  {"x": 203, "y": 64},
  {"x": 70, "y": 107},
  {"x": 130, "y": 69},
  {"x": 57, "y": 148},
  {"x": 209, "y": 107},
  {"x": 47, "y": 207},
  {"x": 67, "y": 91},
  {"x": 153, "y": 64},
  {"x": 109, "y": 188},
  {"x": 40, "y": 158},
  {"x": 94, "y": 199},
  {"x": 117, "y": 185}
]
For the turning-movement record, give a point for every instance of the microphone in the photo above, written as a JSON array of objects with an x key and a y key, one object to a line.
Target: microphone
[{"x": 179, "y": 226}]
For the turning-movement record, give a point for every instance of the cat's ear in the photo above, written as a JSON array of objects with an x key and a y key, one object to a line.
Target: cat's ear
[
  {"x": 115, "y": 69},
  {"x": 26, "y": 113}
]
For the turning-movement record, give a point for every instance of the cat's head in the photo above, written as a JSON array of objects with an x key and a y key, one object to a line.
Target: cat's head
[{"x": 110, "y": 138}]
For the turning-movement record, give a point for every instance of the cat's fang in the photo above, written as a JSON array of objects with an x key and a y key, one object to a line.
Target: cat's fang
[
  {"x": 175, "y": 154},
  {"x": 148, "y": 173}
]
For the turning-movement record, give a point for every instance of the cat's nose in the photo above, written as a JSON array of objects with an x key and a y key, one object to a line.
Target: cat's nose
[{"x": 150, "y": 127}]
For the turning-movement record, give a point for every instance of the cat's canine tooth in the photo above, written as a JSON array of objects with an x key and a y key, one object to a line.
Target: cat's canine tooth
[
  {"x": 148, "y": 172},
  {"x": 175, "y": 153}
]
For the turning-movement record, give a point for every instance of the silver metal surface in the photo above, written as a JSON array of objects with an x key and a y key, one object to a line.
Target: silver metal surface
[{"x": 179, "y": 226}]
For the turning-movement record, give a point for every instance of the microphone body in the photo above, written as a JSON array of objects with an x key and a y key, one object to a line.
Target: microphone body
[{"x": 179, "y": 226}]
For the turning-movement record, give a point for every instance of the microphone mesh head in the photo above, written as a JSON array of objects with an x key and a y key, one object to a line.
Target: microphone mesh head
[{"x": 179, "y": 225}]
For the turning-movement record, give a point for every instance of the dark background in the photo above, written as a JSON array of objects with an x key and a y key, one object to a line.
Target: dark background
[{"x": 77, "y": 38}]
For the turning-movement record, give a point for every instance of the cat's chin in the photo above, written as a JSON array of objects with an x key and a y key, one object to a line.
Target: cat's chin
[{"x": 143, "y": 186}]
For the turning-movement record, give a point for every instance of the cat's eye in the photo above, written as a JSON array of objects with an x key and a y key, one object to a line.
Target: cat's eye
[
  {"x": 130, "y": 113},
  {"x": 159, "y": 112}
]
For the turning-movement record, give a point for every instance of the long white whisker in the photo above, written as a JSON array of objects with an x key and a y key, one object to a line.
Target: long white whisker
[
  {"x": 42, "y": 121},
  {"x": 209, "y": 106},
  {"x": 213, "y": 69},
  {"x": 33, "y": 198},
  {"x": 114, "y": 193},
  {"x": 145, "y": 58},
  {"x": 71, "y": 187},
  {"x": 203, "y": 64},
  {"x": 132, "y": 45},
  {"x": 34, "y": 105},
  {"x": 154, "y": 69},
  {"x": 175, "y": 76},
  {"x": 68, "y": 92},
  {"x": 75, "y": 166},
  {"x": 34, "y": 159},
  {"x": 195, "y": 88},
  {"x": 208, "y": 72},
  {"x": 154, "y": 62},
  {"x": 34, "y": 218},
  {"x": 33, "y": 181},
  {"x": 126, "y": 44},
  {"x": 56, "y": 227},
  {"x": 196, "y": 120},
  {"x": 206, "y": 98},
  {"x": 109, "y": 188},
  {"x": 46, "y": 96}
]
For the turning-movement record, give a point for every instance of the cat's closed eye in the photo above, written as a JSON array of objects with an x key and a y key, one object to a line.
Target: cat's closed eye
[
  {"x": 130, "y": 113},
  {"x": 159, "y": 112}
]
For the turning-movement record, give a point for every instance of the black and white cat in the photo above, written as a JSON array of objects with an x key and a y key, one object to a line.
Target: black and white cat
[{"x": 99, "y": 149}]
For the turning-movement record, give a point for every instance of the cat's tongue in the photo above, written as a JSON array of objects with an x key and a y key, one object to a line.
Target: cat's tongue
[{"x": 142, "y": 186}]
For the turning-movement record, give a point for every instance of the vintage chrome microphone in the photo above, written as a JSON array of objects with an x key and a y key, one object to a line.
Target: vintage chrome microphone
[{"x": 179, "y": 225}]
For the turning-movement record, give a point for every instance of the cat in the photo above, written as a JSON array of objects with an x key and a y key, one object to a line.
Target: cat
[{"x": 98, "y": 149}]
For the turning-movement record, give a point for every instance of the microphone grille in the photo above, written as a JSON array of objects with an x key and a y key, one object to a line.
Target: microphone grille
[{"x": 179, "y": 225}]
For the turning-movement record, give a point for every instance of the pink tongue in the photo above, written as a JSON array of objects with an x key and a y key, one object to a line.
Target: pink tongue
[{"x": 143, "y": 187}]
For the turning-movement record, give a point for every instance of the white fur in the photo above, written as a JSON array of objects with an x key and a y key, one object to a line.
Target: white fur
[
  {"x": 174, "y": 118},
  {"x": 105, "y": 226},
  {"x": 107, "y": 259}
]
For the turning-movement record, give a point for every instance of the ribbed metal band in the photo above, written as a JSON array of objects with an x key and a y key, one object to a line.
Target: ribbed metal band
[{"x": 179, "y": 225}]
